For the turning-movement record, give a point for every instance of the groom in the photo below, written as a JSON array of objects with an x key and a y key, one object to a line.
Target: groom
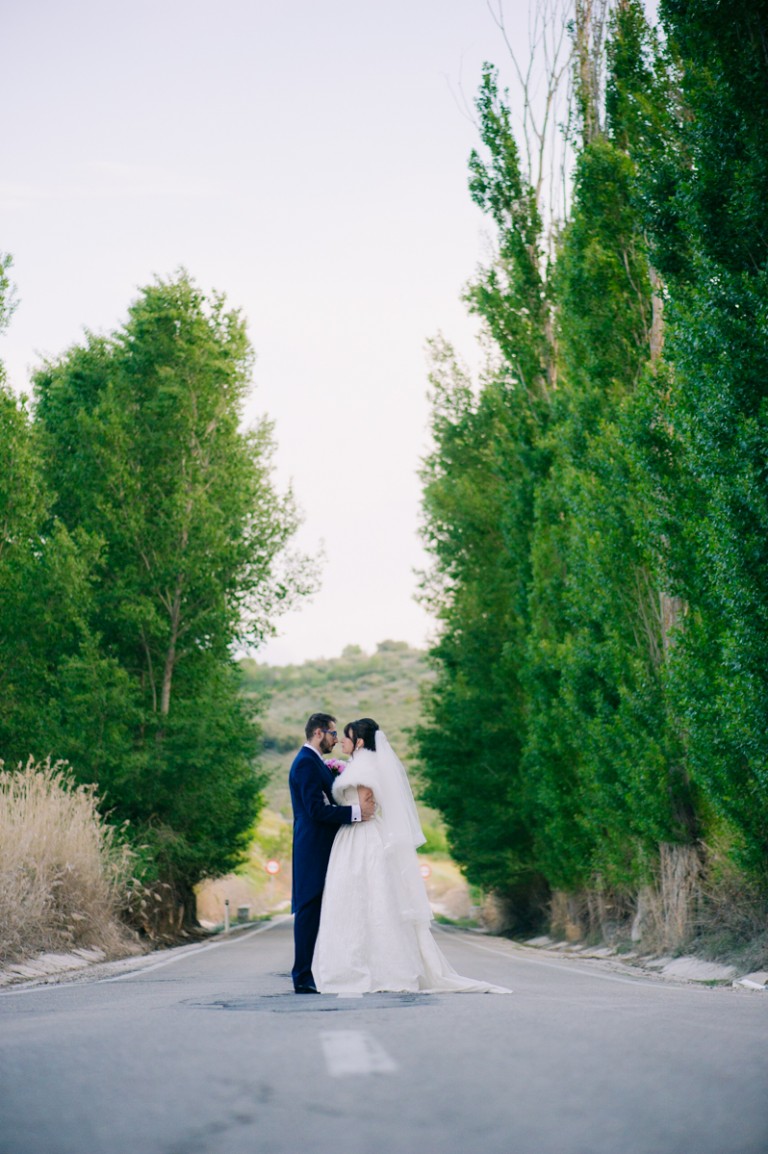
[{"x": 316, "y": 820}]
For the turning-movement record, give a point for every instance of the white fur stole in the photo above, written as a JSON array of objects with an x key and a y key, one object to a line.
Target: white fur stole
[{"x": 361, "y": 769}]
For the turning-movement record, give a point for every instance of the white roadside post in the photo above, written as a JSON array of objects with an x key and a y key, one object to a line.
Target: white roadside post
[{"x": 226, "y": 915}]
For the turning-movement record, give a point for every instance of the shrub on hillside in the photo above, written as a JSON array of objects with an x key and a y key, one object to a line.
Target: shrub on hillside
[{"x": 64, "y": 875}]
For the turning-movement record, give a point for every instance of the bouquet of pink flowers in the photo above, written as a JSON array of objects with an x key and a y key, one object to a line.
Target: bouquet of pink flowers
[{"x": 336, "y": 767}]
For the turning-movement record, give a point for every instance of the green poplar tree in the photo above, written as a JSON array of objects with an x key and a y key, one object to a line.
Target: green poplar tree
[
  {"x": 706, "y": 192},
  {"x": 478, "y": 491},
  {"x": 601, "y": 746}
]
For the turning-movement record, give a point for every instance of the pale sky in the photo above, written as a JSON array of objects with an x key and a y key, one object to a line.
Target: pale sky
[{"x": 308, "y": 159}]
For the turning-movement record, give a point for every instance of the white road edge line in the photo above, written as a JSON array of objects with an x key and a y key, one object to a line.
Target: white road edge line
[
  {"x": 192, "y": 950},
  {"x": 566, "y": 967},
  {"x": 354, "y": 1052},
  {"x": 182, "y": 952}
]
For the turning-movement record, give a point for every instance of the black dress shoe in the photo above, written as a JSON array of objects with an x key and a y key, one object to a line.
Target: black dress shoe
[{"x": 306, "y": 989}]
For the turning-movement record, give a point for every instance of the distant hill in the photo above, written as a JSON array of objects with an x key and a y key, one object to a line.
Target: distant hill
[{"x": 385, "y": 685}]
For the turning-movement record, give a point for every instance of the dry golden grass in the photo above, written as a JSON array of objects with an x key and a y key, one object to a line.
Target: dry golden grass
[{"x": 63, "y": 874}]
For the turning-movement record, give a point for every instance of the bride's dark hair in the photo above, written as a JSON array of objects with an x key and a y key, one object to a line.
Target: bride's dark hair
[{"x": 366, "y": 728}]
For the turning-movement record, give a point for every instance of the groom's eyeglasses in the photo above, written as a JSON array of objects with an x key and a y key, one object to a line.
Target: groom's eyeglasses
[{"x": 332, "y": 732}]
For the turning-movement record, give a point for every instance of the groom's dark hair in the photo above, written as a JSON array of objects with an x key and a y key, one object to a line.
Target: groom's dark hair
[{"x": 318, "y": 721}]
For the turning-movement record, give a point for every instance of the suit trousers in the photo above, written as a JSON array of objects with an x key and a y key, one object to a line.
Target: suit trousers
[{"x": 306, "y": 923}]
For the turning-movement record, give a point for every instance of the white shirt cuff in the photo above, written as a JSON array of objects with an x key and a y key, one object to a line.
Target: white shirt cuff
[{"x": 356, "y": 814}]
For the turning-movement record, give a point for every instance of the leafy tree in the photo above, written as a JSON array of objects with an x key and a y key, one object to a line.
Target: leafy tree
[
  {"x": 713, "y": 408},
  {"x": 547, "y": 579},
  {"x": 7, "y": 296},
  {"x": 471, "y": 742},
  {"x": 478, "y": 502},
  {"x": 602, "y": 747},
  {"x": 45, "y": 587},
  {"x": 511, "y": 294},
  {"x": 145, "y": 453}
]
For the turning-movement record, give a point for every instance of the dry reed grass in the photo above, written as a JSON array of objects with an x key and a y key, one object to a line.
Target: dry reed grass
[
  {"x": 661, "y": 917},
  {"x": 666, "y": 917},
  {"x": 732, "y": 921},
  {"x": 64, "y": 875},
  {"x": 698, "y": 901}
]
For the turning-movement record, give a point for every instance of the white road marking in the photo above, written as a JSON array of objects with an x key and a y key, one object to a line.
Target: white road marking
[
  {"x": 184, "y": 952},
  {"x": 354, "y": 1052},
  {"x": 566, "y": 966},
  {"x": 178, "y": 955}
]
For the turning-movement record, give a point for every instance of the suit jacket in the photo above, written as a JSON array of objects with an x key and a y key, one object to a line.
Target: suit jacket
[{"x": 316, "y": 820}]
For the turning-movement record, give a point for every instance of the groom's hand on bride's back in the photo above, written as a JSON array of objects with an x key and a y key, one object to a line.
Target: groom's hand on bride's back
[{"x": 367, "y": 804}]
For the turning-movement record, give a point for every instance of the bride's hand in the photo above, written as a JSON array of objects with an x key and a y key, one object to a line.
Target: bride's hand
[{"x": 367, "y": 802}]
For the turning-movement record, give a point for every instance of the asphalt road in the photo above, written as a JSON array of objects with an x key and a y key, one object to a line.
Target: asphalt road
[{"x": 206, "y": 1051}]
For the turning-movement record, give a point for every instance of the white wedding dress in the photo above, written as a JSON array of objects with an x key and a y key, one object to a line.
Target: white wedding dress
[{"x": 374, "y": 927}]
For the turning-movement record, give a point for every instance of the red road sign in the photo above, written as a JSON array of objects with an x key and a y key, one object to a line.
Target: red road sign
[
  {"x": 272, "y": 867},
  {"x": 425, "y": 870}
]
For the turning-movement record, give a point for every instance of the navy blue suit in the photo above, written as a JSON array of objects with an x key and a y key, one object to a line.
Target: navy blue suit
[{"x": 316, "y": 820}]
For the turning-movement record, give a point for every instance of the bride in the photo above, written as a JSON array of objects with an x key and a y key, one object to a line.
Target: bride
[{"x": 374, "y": 926}]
